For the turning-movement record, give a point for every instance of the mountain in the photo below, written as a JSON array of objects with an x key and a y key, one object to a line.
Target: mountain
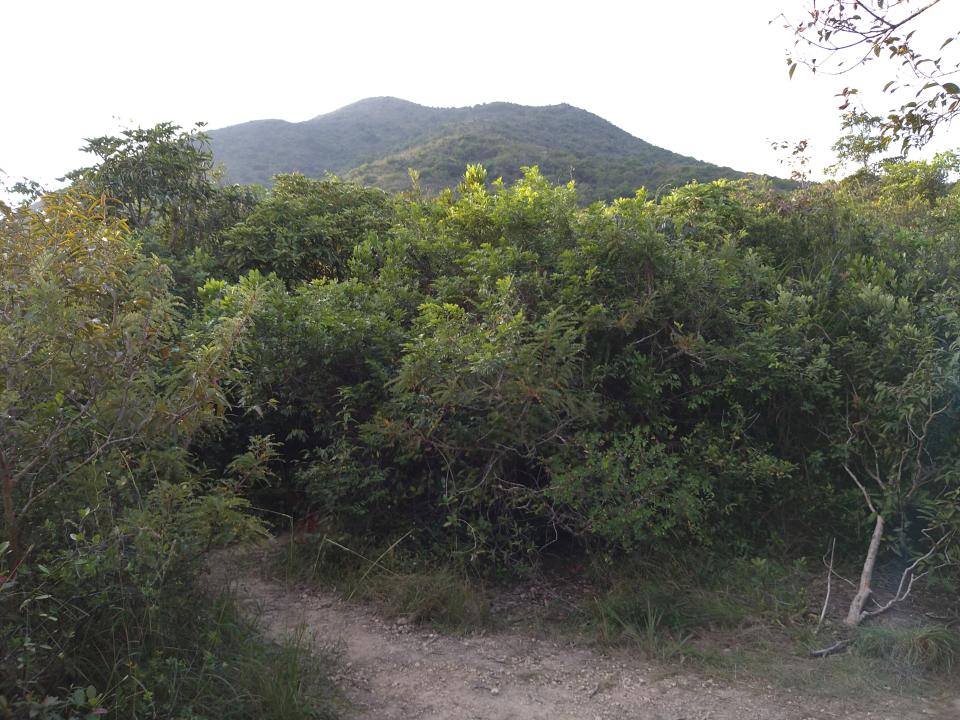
[{"x": 375, "y": 142}]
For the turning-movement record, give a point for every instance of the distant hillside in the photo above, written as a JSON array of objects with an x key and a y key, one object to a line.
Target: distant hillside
[{"x": 375, "y": 142}]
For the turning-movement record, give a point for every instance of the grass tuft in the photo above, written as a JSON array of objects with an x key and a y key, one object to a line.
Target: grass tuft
[
  {"x": 216, "y": 664},
  {"x": 439, "y": 597},
  {"x": 402, "y": 586},
  {"x": 932, "y": 649},
  {"x": 642, "y": 605}
]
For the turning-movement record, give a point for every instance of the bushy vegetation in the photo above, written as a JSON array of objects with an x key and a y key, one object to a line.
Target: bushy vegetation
[
  {"x": 108, "y": 386},
  {"x": 728, "y": 370},
  {"x": 501, "y": 368}
]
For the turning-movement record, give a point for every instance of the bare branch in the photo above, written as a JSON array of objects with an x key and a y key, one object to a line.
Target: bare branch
[
  {"x": 826, "y": 600},
  {"x": 843, "y": 35},
  {"x": 866, "y": 495},
  {"x": 907, "y": 579}
]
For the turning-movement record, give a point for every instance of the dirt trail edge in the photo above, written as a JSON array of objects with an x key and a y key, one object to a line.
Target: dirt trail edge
[{"x": 397, "y": 672}]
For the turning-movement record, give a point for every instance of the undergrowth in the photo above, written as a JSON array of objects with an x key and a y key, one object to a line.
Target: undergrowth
[
  {"x": 244, "y": 676},
  {"x": 659, "y": 610},
  {"x": 209, "y": 662},
  {"x": 755, "y": 619},
  {"x": 912, "y": 651},
  {"x": 733, "y": 618},
  {"x": 439, "y": 597},
  {"x": 414, "y": 589}
]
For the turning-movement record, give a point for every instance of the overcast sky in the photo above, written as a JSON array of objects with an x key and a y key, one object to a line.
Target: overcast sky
[{"x": 699, "y": 77}]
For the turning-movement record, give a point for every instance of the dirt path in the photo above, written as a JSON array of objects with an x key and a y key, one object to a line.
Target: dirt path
[{"x": 396, "y": 672}]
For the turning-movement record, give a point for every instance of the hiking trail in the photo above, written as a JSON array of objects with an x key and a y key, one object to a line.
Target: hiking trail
[{"x": 395, "y": 671}]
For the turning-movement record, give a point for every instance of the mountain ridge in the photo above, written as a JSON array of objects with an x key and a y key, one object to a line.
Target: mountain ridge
[{"x": 376, "y": 140}]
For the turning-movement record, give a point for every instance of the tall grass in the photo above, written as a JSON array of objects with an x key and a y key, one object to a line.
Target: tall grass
[
  {"x": 644, "y": 604},
  {"x": 927, "y": 649},
  {"x": 198, "y": 659}
]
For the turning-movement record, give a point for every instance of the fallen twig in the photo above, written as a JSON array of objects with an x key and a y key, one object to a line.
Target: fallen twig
[{"x": 838, "y": 646}]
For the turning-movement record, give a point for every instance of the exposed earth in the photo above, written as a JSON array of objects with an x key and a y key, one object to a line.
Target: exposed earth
[{"x": 391, "y": 670}]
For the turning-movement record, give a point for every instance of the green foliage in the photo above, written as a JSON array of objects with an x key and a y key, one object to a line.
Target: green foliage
[
  {"x": 503, "y": 366},
  {"x": 631, "y": 489},
  {"x": 861, "y": 142},
  {"x": 321, "y": 357},
  {"x": 907, "y": 181},
  {"x": 106, "y": 516},
  {"x": 728, "y": 371},
  {"x": 480, "y": 406},
  {"x": 304, "y": 229},
  {"x": 161, "y": 181},
  {"x": 205, "y": 661},
  {"x": 154, "y": 175}
]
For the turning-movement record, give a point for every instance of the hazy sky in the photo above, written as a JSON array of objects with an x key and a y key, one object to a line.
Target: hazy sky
[{"x": 700, "y": 77}]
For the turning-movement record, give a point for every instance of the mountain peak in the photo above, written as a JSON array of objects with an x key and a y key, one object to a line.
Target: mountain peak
[
  {"x": 383, "y": 103},
  {"x": 376, "y": 140}
]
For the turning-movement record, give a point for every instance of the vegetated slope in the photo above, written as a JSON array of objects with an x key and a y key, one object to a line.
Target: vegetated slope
[
  {"x": 334, "y": 143},
  {"x": 377, "y": 140}
]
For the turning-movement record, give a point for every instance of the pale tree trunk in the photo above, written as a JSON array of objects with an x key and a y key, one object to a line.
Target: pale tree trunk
[{"x": 855, "y": 615}]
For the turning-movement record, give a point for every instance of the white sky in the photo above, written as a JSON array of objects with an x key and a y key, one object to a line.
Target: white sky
[{"x": 704, "y": 78}]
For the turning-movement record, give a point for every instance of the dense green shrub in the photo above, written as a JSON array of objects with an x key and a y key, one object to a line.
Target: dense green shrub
[
  {"x": 504, "y": 366},
  {"x": 304, "y": 229},
  {"x": 106, "y": 516}
]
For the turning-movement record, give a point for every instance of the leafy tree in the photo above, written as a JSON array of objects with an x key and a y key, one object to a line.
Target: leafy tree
[
  {"x": 162, "y": 183},
  {"x": 894, "y": 459},
  {"x": 839, "y": 35},
  {"x": 862, "y": 140},
  {"x": 906, "y": 181},
  {"x": 477, "y": 407},
  {"x": 156, "y": 176},
  {"x": 305, "y": 229}
]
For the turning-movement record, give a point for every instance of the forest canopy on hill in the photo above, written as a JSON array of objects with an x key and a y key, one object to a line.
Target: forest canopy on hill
[
  {"x": 491, "y": 372},
  {"x": 377, "y": 141}
]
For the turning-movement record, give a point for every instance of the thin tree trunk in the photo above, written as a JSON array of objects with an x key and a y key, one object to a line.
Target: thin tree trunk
[{"x": 855, "y": 615}]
